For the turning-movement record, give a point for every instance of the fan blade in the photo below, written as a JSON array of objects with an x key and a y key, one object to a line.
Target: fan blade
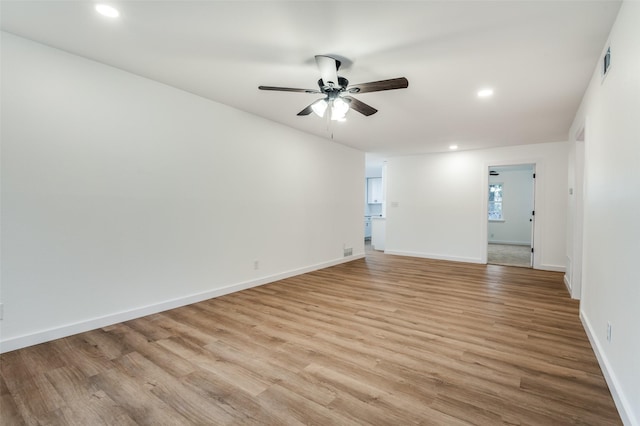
[
  {"x": 328, "y": 67},
  {"x": 288, "y": 89},
  {"x": 308, "y": 110},
  {"x": 360, "y": 106},
  {"x": 377, "y": 86}
]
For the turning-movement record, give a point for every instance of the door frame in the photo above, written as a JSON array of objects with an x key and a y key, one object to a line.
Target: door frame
[
  {"x": 533, "y": 217},
  {"x": 576, "y": 264},
  {"x": 536, "y": 163}
]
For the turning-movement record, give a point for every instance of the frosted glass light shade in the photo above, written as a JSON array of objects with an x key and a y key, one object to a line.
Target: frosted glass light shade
[
  {"x": 339, "y": 109},
  {"x": 319, "y": 107}
]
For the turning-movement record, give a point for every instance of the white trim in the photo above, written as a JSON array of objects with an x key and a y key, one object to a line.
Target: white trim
[
  {"x": 434, "y": 256},
  {"x": 622, "y": 403},
  {"x": 95, "y": 323},
  {"x": 511, "y": 243},
  {"x": 567, "y": 283},
  {"x": 553, "y": 268}
]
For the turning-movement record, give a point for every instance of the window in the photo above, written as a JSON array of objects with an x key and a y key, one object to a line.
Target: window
[{"x": 495, "y": 201}]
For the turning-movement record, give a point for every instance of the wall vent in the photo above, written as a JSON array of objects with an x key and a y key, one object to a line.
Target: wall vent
[
  {"x": 348, "y": 252},
  {"x": 606, "y": 63}
]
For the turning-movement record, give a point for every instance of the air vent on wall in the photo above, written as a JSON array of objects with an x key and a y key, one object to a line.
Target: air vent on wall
[{"x": 606, "y": 63}]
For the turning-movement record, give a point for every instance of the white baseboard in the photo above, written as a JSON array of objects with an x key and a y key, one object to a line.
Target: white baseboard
[
  {"x": 511, "y": 243},
  {"x": 553, "y": 268},
  {"x": 567, "y": 283},
  {"x": 543, "y": 267},
  {"x": 434, "y": 256},
  {"x": 118, "y": 317},
  {"x": 622, "y": 403}
]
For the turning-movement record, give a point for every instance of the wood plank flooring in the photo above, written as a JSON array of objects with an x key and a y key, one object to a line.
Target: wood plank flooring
[{"x": 384, "y": 340}]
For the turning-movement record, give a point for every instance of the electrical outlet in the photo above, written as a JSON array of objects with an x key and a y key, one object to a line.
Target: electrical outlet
[
  {"x": 608, "y": 332},
  {"x": 256, "y": 264}
]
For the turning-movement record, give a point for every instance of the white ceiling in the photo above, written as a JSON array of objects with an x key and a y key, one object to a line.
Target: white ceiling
[{"x": 537, "y": 55}]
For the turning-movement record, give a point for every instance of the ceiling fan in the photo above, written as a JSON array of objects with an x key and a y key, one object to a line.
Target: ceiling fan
[{"x": 338, "y": 99}]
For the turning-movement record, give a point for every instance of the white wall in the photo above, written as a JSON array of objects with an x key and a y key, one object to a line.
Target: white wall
[
  {"x": 610, "y": 113},
  {"x": 517, "y": 206},
  {"x": 122, "y": 196},
  {"x": 437, "y": 204}
]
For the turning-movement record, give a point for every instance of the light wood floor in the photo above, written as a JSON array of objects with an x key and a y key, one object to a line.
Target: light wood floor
[{"x": 385, "y": 341}]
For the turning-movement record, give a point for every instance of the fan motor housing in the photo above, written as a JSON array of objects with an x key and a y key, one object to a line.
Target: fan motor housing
[{"x": 342, "y": 85}]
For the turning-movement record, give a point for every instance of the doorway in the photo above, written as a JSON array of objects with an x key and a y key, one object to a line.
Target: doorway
[{"x": 511, "y": 215}]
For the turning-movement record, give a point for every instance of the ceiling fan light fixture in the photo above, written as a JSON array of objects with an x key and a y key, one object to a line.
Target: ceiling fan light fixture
[
  {"x": 339, "y": 109},
  {"x": 319, "y": 107},
  {"x": 338, "y": 99}
]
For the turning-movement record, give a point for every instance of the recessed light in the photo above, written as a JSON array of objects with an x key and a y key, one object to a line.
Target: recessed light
[
  {"x": 108, "y": 11},
  {"x": 453, "y": 147},
  {"x": 485, "y": 93}
]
